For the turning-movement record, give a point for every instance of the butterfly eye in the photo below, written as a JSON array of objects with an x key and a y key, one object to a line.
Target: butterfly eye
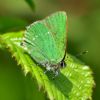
[{"x": 62, "y": 64}]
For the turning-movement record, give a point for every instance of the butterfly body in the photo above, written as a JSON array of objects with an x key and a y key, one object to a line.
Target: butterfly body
[{"x": 45, "y": 41}]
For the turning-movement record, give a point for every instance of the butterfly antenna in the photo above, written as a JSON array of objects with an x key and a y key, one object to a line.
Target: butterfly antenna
[{"x": 82, "y": 53}]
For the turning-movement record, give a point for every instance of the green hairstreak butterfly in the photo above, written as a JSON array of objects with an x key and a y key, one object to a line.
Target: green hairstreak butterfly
[{"x": 45, "y": 41}]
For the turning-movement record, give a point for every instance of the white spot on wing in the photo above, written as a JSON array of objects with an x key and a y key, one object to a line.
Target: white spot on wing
[
  {"x": 48, "y": 32},
  {"x": 33, "y": 39}
]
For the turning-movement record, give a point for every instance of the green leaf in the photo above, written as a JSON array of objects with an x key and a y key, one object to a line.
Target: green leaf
[
  {"x": 31, "y": 4},
  {"x": 75, "y": 81}
]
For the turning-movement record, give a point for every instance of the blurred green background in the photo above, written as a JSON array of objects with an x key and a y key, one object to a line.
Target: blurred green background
[{"x": 83, "y": 34}]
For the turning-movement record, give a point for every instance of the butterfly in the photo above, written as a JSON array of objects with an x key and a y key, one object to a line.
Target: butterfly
[{"x": 46, "y": 41}]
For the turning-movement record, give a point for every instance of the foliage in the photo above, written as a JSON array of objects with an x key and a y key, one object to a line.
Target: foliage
[{"x": 73, "y": 82}]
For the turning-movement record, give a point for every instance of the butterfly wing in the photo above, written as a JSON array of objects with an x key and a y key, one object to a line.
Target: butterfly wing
[
  {"x": 42, "y": 43},
  {"x": 57, "y": 25}
]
